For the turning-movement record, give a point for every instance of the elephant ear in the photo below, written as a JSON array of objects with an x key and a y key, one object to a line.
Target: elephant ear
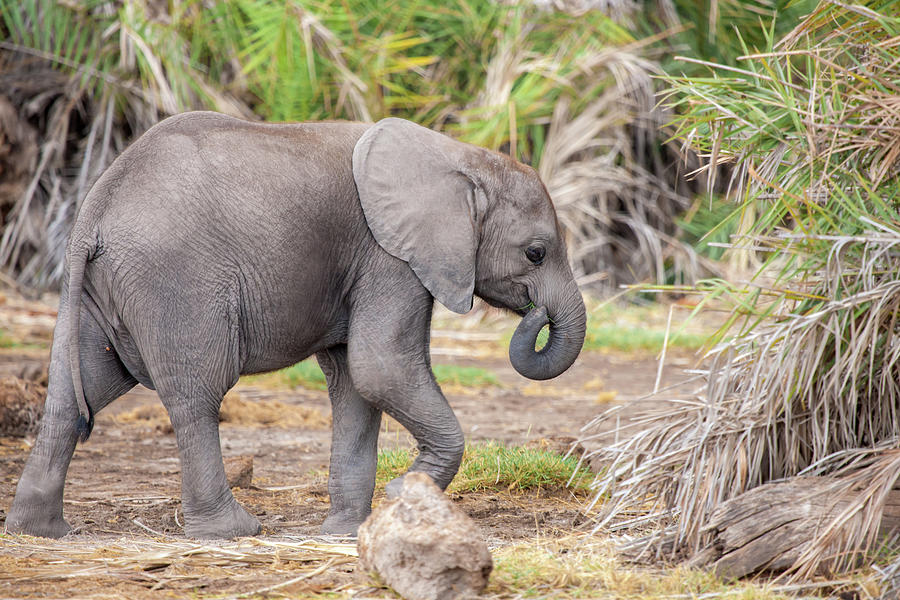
[{"x": 420, "y": 204}]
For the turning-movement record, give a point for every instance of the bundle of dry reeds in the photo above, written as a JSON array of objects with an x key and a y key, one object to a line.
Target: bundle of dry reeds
[{"x": 810, "y": 385}]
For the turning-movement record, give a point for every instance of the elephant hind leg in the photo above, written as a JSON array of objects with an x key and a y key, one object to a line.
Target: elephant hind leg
[
  {"x": 191, "y": 352},
  {"x": 37, "y": 508},
  {"x": 210, "y": 509}
]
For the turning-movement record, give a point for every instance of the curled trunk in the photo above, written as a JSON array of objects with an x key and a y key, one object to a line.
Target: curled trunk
[{"x": 567, "y": 327}]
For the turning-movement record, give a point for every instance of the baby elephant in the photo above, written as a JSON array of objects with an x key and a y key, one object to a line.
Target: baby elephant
[{"x": 214, "y": 247}]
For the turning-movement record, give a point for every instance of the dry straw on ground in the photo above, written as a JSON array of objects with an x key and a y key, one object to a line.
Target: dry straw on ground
[
  {"x": 256, "y": 566},
  {"x": 236, "y": 410}
]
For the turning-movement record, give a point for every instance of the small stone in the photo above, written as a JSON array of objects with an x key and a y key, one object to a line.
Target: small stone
[
  {"x": 239, "y": 471},
  {"x": 423, "y": 546}
]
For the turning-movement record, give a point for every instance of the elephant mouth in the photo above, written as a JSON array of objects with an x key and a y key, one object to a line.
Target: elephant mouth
[{"x": 520, "y": 310}]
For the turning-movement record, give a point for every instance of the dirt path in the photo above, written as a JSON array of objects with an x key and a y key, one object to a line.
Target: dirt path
[{"x": 139, "y": 458}]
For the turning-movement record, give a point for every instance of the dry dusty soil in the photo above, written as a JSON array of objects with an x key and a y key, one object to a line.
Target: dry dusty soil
[{"x": 122, "y": 492}]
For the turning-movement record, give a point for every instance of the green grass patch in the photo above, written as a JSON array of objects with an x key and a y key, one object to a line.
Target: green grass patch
[
  {"x": 7, "y": 341},
  {"x": 493, "y": 466},
  {"x": 633, "y": 328},
  {"x": 305, "y": 374},
  {"x": 633, "y": 338},
  {"x": 464, "y": 376}
]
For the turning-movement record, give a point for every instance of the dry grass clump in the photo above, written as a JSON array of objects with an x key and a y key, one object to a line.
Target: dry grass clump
[
  {"x": 580, "y": 567},
  {"x": 76, "y": 83},
  {"x": 236, "y": 410},
  {"x": 21, "y": 406},
  {"x": 270, "y": 413},
  {"x": 811, "y": 384},
  {"x": 153, "y": 416}
]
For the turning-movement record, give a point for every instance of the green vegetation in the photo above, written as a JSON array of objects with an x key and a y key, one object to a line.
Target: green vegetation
[
  {"x": 8, "y": 341},
  {"x": 631, "y": 338},
  {"x": 493, "y": 466},
  {"x": 627, "y": 327},
  {"x": 635, "y": 328},
  {"x": 709, "y": 225},
  {"x": 464, "y": 376},
  {"x": 571, "y": 94},
  {"x": 722, "y": 30},
  {"x": 305, "y": 374},
  {"x": 365, "y": 59},
  {"x": 815, "y": 176}
]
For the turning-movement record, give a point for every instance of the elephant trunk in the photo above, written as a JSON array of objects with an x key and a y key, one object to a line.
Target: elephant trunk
[{"x": 567, "y": 321}]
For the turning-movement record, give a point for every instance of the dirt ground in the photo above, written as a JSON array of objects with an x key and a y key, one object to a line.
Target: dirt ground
[{"x": 123, "y": 485}]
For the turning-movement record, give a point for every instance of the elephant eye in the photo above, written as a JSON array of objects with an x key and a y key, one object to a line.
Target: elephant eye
[{"x": 535, "y": 254}]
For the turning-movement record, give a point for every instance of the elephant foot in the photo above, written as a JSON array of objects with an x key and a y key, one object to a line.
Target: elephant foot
[
  {"x": 343, "y": 523},
  {"x": 232, "y": 522},
  {"x": 36, "y": 522}
]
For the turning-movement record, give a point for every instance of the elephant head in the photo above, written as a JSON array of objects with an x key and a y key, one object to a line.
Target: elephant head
[{"x": 471, "y": 221}]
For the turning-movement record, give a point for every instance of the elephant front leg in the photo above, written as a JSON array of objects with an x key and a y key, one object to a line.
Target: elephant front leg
[
  {"x": 210, "y": 510},
  {"x": 392, "y": 372},
  {"x": 354, "y": 447},
  {"x": 438, "y": 436}
]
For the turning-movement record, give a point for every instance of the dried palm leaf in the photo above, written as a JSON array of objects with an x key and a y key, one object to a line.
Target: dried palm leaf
[{"x": 812, "y": 380}]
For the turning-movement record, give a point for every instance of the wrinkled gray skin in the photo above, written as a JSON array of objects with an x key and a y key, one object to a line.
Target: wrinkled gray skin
[{"x": 215, "y": 247}]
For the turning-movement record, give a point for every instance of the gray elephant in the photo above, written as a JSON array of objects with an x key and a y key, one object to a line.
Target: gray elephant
[{"x": 214, "y": 247}]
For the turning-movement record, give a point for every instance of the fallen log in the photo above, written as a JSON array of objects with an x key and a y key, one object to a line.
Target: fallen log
[{"x": 770, "y": 527}]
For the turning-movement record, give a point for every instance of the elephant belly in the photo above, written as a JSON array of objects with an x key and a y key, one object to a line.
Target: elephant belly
[
  {"x": 288, "y": 347},
  {"x": 277, "y": 335}
]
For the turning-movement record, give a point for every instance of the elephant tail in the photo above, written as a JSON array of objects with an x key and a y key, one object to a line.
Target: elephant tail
[{"x": 77, "y": 260}]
